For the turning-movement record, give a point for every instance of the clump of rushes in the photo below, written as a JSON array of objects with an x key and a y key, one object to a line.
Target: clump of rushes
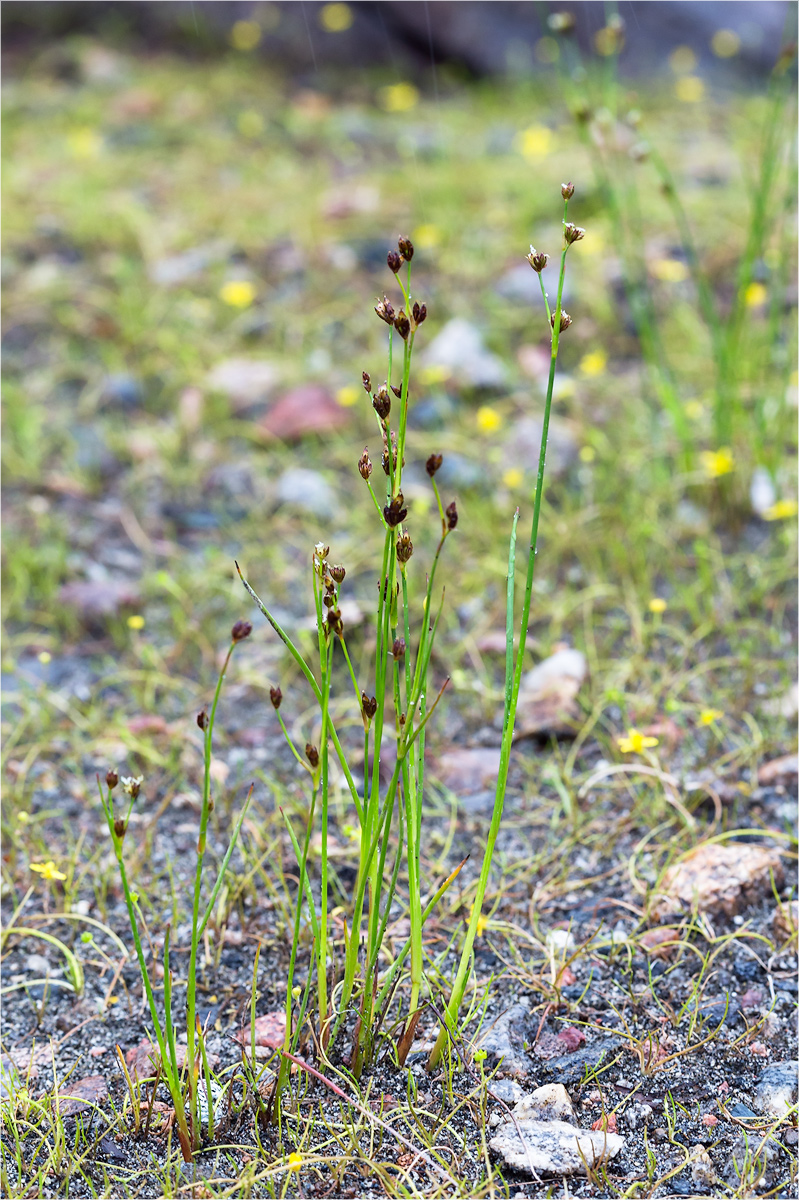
[
  {"x": 558, "y": 321},
  {"x": 184, "y": 1087},
  {"x": 394, "y": 698}
]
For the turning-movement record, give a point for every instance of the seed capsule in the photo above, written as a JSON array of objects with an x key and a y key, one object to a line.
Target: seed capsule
[
  {"x": 567, "y": 190},
  {"x": 112, "y": 779},
  {"x": 368, "y": 705},
  {"x": 385, "y": 310},
  {"x": 398, "y": 649},
  {"x": 405, "y": 248},
  {"x": 394, "y": 261},
  {"x": 565, "y": 321},
  {"x": 275, "y": 695},
  {"x": 240, "y": 631},
  {"x": 338, "y": 573},
  {"x": 395, "y": 512},
  {"x": 537, "y": 259},
  {"x": 402, "y": 324},
  {"x": 404, "y": 548},
  {"x": 365, "y": 465},
  {"x": 202, "y": 719},
  {"x": 433, "y": 464},
  {"x": 381, "y": 402},
  {"x": 367, "y": 381},
  {"x": 452, "y": 515},
  {"x": 573, "y": 233},
  {"x": 312, "y": 754}
]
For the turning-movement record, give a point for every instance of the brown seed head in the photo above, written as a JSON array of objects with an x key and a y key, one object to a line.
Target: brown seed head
[
  {"x": 275, "y": 695},
  {"x": 537, "y": 259},
  {"x": 365, "y": 464},
  {"x": 452, "y": 516},
  {"x": 565, "y": 321},
  {"x": 381, "y": 402},
  {"x": 202, "y": 719},
  {"x": 385, "y": 310},
  {"x": 573, "y": 233},
  {"x": 368, "y": 705},
  {"x": 397, "y": 391},
  {"x": 405, "y": 248},
  {"x": 404, "y": 548},
  {"x": 402, "y": 324},
  {"x": 338, "y": 573},
  {"x": 419, "y": 313},
  {"x": 134, "y": 789},
  {"x": 394, "y": 261},
  {"x": 367, "y": 381},
  {"x": 112, "y": 779},
  {"x": 120, "y": 826},
  {"x": 398, "y": 649},
  {"x": 567, "y": 190},
  {"x": 240, "y": 631},
  {"x": 395, "y": 512},
  {"x": 312, "y": 754},
  {"x": 433, "y": 463}
]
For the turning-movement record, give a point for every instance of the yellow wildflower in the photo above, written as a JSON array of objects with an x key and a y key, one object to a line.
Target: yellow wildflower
[
  {"x": 718, "y": 462},
  {"x": 725, "y": 43},
  {"x": 335, "y": 18},
  {"x": 294, "y": 1161},
  {"x": 245, "y": 35},
  {"x": 594, "y": 363},
  {"x": 434, "y": 374},
  {"x": 238, "y": 293},
  {"x": 47, "y": 870},
  {"x": 755, "y": 295},
  {"x": 513, "y": 478},
  {"x": 690, "y": 89},
  {"x": 44, "y": 657},
  {"x": 779, "y": 511},
  {"x": 136, "y": 622},
  {"x": 426, "y": 237},
  {"x": 635, "y": 742},
  {"x": 398, "y": 97},
  {"x": 669, "y": 270},
  {"x": 682, "y": 60},
  {"x": 534, "y": 142},
  {"x": 693, "y": 409},
  {"x": 587, "y": 454},
  {"x": 348, "y": 395},
  {"x": 482, "y": 925},
  {"x": 84, "y": 143},
  {"x": 488, "y": 419},
  {"x": 657, "y": 605},
  {"x": 709, "y": 716}
]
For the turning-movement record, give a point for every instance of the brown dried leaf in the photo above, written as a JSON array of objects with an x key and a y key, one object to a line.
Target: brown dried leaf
[
  {"x": 82, "y": 1094},
  {"x": 309, "y": 408}
]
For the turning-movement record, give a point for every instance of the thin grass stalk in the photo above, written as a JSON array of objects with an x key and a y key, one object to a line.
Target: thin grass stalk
[{"x": 512, "y": 693}]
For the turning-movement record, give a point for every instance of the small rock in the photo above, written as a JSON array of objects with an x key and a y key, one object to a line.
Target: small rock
[
  {"x": 504, "y": 1040},
  {"x": 507, "y": 1090},
  {"x": 785, "y": 921},
  {"x": 778, "y": 770},
  {"x": 560, "y": 941},
  {"x": 37, "y": 964},
  {"x": 270, "y": 1030},
  {"x": 548, "y": 1103},
  {"x": 467, "y": 770},
  {"x": 309, "y": 408},
  {"x": 719, "y": 878},
  {"x": 571, "y": 1068},
  {"x": 638, "y": 1114},
  {"x": 522, "y": 447},
  {"x": 302, "y": 488},
  {"x": 122, "y": 391},
  {"x": 81, "y": 1094},
  {"x": 762, "y": 493},
  {"x": 244, "y": 381},
  {"x": 552, "y": 1147},
  {"x": 660, "y": 942},
  {"x": 459, "y": 348},
  {"x": 547, "y": 697},
  {"x": 702, "y": 1170},
  {"x": 177, "y": 268},
  {"x": 99, "y": 598},
  {"x": 776, "y": 1092}
]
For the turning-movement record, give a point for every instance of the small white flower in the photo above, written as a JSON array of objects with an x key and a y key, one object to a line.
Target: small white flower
[{"x": 131, "y": 784}]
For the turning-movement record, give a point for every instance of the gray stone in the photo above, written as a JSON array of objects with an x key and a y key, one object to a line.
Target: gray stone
[
  {"x": 37, "y": 964},
  {"x": 305, "y": 489},
  {"x": 524, "y": 443},
  {"x": 177, "y": 268},
  {"x": 552, "y": 1147},
  {"x": 548, "y": 1103},
  {"x": 638, "y": 1114},
  {"x": 507, "y": 1090},
  {"x": 504, "y": 1041},
  {"x": 572, "y": 1068},
  {"x": 459, "y": 348},
  {"x": 776, "y": 1091},
  {"x": 244, "y": 380}
]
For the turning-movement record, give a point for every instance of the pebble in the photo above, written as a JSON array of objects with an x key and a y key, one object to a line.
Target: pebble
[
  {"x": 552, "y": 1147},
  {"x": 550, "y": 1102},
  {"x": 719, "y": 878},
  {"x": 523, "y": 446},
  {"x": 459, "y": 348},
  {"x": 547, "y": 696},
  {"x": 638, "y": 1114},
  {"x": 244, "y": 381},
  {"x": 122, "y": 391},
  {"x": 785, "y": 922},
  {"x": 504, "y": 1040},
  {"x": 560, "y": 940},
  {"x": 777, "y": 1090},
  {"x": 702, "y": 1170},
  {"x": 302, "y": 488},
  {"x": 507, "y": 1090},
  {"x": 37, "y": 964}
]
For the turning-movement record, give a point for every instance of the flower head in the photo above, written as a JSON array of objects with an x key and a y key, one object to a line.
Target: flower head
[
  {"x": 294, "y": 1161},
  {"x": 780, "y": 510},
  {"x": 132, "y": 784},
  {"x": 657, "y": 605},
  {"x": 709, "y": 716},
  {"x": 238, "y": 293},
  {"x": 635, "y": 742},
  {"x": 718, "y": 462},
  {"x": 47, "y": 870}
]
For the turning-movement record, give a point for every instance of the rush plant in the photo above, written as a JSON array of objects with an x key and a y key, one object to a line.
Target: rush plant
[{"x": 398, "y": 699}]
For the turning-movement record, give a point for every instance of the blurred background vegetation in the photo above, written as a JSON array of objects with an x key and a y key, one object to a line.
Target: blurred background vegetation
[{"x": 198, "y": 200}]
